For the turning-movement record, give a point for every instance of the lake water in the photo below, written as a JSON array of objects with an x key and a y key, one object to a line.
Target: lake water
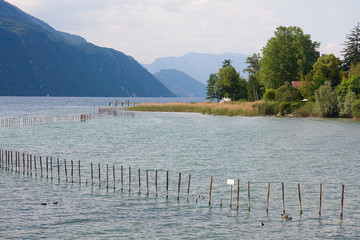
[{"x": 256, "y": 149}]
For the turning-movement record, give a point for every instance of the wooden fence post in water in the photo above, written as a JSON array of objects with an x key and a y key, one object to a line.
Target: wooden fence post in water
[
  {"x": 121, "y": 178},
  {"x": 268, "y": 198},
  {"x": 41, "y": 172},
  {"x": 30, "y": 165},
  {"x": 342, "y": 202},
  {"x": 147, "y": 182},
  {"x": 320, "y": 199},
  {"x": 300, "y": 206},
  {"x": 188, "y": 191},
  {"x": 58, "y": 167},
  {"x": 12, "y": 162},
  {"x": 47, "y": 168},
  {"x": 249, "y": 196},
  {"x": 283, "y": 196},
  {"x": 51, "y": 169},
  {"x": 91, "y": 174},
  {"x": 129, "y": 179},
  {"x": 139, "y": 179},
  {"x": 99, "y": 174},
  {"x": 35, "y": 166},
  {"x": 72, "y": 171},
  {"x": 107, "y": 176},
  {"x": 167, "y": 184},
  {"x": 65, "y": 170},
  {"x": 178, "y": 190},
  {"x": 238, "y": 194},
  {"x": 114, "y": 176},
  {"x": 210, "y": 191},
  {"x": 79, "y": 172},
  {"x": 156, "y": 192},
  {"x": 230, "y": 195},
  {"x": 27, "y": 164}
]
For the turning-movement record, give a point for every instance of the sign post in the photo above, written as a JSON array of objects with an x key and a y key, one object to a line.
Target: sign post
[{"x": 231, "y": 183}]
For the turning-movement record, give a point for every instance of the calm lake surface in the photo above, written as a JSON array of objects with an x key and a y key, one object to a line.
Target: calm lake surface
[{"x": 256, "y": 149}]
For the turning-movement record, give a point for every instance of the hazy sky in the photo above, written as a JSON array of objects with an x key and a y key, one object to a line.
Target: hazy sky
[{"x": 148, "y": 29}]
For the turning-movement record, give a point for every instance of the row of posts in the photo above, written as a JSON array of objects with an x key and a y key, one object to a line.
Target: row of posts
[
  {"x": 30, "y": 121},
  {"x": 28, "y": 160}
]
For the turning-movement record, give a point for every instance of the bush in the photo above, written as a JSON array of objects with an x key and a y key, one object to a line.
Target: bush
[
  {"x": 265, "y": 108},
  {"x": 355, "y": 108},
  {"x": 305, "y": 110},
  {"x": 284, "y": 108},
  {"x": 287, "y": 93},
  {"x": 345, "y": 106},
  {"x": 326, "y": 101},
  {"x": 269, "y": 94}
]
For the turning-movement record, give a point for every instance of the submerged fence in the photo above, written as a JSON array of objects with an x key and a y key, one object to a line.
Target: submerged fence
[
  {"x": 70, "y": 171},
  {"x": 31, "y": 121}
]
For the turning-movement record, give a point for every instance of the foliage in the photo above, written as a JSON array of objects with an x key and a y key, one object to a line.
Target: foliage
[
  {"x": 269, "y": 94},
  {"x": 345, "y": 106},
  {"x": 355, "y": 108},
  {"x": 253, "y": 64},
  {"x": 284, "y": 108},
  {"x": 306, "y": 89},
  {"x": 226, "y": 83},
  {"x": 304, "y": 110},
  {"x": 287, "y": 56},
  {"x": 287, "y": 93},
  {"x": 326, "y": 101},
  {"x": 351, "y": 84},
  {"x": 354, "y": 69},
  {"x": 326, "y": 68},
  {"x": 351, "y": 51},
  {"x": 265, "y": 108},
  {"x": 255, "y": 89}
]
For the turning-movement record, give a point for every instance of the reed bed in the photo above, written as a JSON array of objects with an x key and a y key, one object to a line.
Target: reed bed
[{"x": 225, "y": 109}]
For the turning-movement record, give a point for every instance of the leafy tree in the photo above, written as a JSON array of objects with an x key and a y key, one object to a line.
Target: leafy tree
[
  {"x": 345, "y": 106},
  {"x": 327, "y": 68},
  {"x": 269, "y": 94},
  {"x": 355, "y": 108},
  {"x": 326, "y": 101},
  {"x": 255, "y": 89},
  {"x": 354, "y": 69},
  {"x": 211, "y": 88},
  {"x": 351, "y": 51},
  {"x": 287, "y": 56},
  {"x": 351, "y": 84},
  {"x": 287, "y": 93},
  {"x": 226, "y": 83}
]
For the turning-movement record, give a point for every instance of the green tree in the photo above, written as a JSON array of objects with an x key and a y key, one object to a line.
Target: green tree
[
  {"x": 355, "y": 108},
  {"x": 345, "y": 106},
  {"x": 326, "y": 68},
  {"x": 287, "y": 56},
  {"x": 226, "y": 83},
  {"x": 354, "y": 70},
  {"x": 351, "y": 50},
  {"x": 352, "y": 84},
  {"x": 255, "y": 89},
  {"x": 326, "y": 101},
  {"x": 269, "y": 94},
  {"x": 287, "y": 93}
]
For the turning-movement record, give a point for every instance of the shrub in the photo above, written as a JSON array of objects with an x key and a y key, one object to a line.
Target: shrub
[
  {"x": 269, "y": 94},
  {"x": 305, "y": 110},
  {"x": 287, "y": 93},
  {"x": 355, "y": 108},
  {"x": 284, "y": 108},
  {"x": 345, "y": 106},
  {"x": 326, "y": 101}
]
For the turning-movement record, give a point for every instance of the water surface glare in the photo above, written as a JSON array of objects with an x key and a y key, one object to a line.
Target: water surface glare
[{"x": 256, "y": 149}]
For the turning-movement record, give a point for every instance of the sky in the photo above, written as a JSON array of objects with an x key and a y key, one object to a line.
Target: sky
[{"x": 149, "y": 29}]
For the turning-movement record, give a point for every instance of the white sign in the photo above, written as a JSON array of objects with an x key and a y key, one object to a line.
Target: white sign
[{"x": 230, "y": 181}]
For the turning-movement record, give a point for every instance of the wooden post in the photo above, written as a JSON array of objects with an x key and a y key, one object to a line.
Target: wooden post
[
  {"x": 30, "y": 165},
  {"x": 41, "y": 172},
  {"x": 58, "y": 168},
  {"x": 107, "y": 176},
  {"x": 178, "y": 191},
  {"x": 220, "y": 202},
  {"x": 342, "y": 202},
  {"x": 211, "y": 181},
  {"x": 188, "y": 191},
  {"x": 79, "y": 172},
  {"x": 114, "y": 176},
  {"x": 65, "y": 170},
  {"x": 34, "y": 164},
  {"x": 156, "y": 192},
  {"x": 139, "y": 179},
  {"x": 268, "y": 198},
  {"x": 129, "y": 179},
  {"x": 51, "y": 168},
  {"x": 320, "y": 199},
  {"x": 27, "y": 164},
  {"x": 99, "y": 174},
  {"x": 230, "y": 195},
  {"x": 12, "y": 162},
  {"x": 238, "y": 194},
  {"x": 167, "y": 184},
  {"x": 249, "y": 196},
  {"x": 122, "y": 178},
  {"x": 47, "y": 167},
  {"x": 300, "y": 207},
  {"x": 91, "y": 174},
  {"x": 72, "y": 171},
  {"x": 283, "y": 196},
  {"x": 147, "y": 182},
  {"x": 23, "y": 163}
]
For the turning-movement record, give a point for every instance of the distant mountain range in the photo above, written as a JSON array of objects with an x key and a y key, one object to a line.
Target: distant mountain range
[
  {"x": 180, "y": 83},
  {"x": 198, "y": 65},
  {"x": 37, "y": 60}
]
